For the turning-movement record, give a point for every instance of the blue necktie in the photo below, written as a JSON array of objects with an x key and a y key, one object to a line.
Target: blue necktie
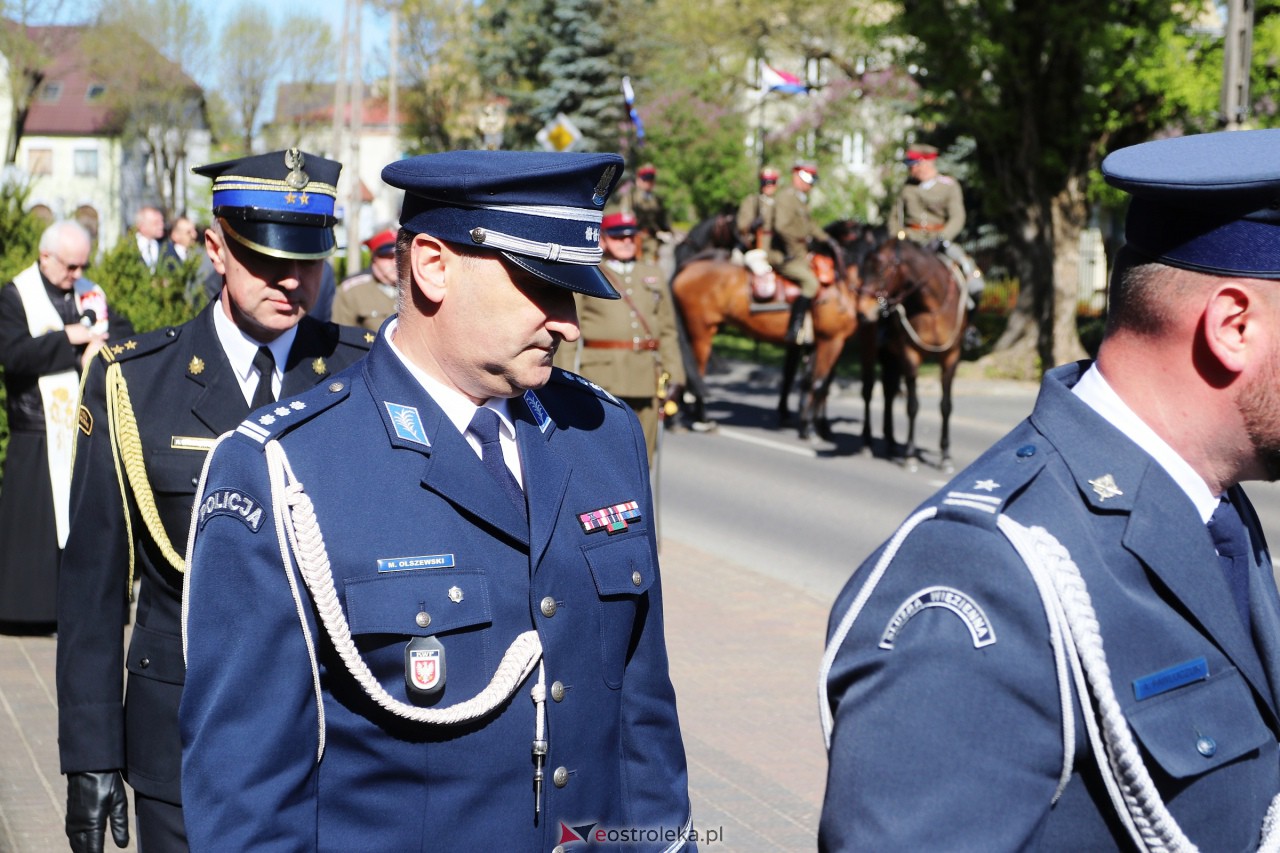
[
  {"x": 484, "y": 426},
  {"x": 1232, "y": 544}
]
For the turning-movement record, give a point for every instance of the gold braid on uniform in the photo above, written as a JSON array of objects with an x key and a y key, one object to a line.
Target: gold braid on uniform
[{"x": 126, "y": 448}]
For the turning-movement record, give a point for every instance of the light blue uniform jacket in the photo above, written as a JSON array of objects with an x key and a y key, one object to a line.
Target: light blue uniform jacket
[
  {"x": 946, "y": 741},
  {"x": 249, "y": 713}
]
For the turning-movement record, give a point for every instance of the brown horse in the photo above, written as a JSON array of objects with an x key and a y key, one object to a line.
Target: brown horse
[
  {"x": 912, "y": 309},
  {"x": 711, "y": 292}
]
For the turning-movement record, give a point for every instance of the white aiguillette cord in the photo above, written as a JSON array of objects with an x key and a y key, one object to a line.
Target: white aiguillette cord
[{"x": 1077, "y": 643}]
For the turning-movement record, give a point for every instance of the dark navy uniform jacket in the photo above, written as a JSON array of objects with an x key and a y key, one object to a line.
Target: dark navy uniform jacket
[
  {"x": 249, "y": 715},
  {"x": 947, "y": 742},
  {"x": 184, "y": 394}
]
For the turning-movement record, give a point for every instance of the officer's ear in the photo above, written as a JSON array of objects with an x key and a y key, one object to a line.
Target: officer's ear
[
  {"x": 1233, "y": 326},
  {"x": 213, "y": 243},
  {"x": 428, "y": 259}
]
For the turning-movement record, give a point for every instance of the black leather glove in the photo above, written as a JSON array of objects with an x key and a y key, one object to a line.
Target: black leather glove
[{"x": 93, "y": 800}]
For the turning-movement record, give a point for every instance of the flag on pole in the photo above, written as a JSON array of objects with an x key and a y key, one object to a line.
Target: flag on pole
[
  {"x": 629, "y": 95},
  {"x": 773, "y": 80}
]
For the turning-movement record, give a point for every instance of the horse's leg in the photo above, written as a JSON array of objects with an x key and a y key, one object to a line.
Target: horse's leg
[
  {"x": 823, "y": 373},
  {"x": 695, "y": 365},
  {"x": 789, "y": 367},
  {"x": 866, "y": 335},
  {"x": 911, "y": 364},
  {"x": 949, "y": 365},
  {"x": 890, "y": 382},
  {"x": 806, "y": 392}
]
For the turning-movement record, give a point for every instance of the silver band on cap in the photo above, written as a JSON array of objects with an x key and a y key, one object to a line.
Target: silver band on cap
[{"x": 532, "y": 248}]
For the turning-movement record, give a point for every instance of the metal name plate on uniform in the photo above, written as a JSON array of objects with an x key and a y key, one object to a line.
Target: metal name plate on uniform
[{"x": 424, "y": 668}]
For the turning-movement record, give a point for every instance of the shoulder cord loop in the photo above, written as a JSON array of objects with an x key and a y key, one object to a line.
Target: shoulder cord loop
[
  {"x": 126, "y": 449},
  {"x": 1071, "y": 615},
  {"x": 299, "y": 534}
]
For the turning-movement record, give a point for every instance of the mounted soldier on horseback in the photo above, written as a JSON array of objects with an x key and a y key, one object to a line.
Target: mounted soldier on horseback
[{"x": 930, "y": 212}]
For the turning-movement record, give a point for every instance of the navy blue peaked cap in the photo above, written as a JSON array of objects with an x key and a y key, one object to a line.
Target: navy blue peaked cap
[
  {"x": 1209, "y": 203},
  {"x": 279, "y": 204},
  {"x": 540, "y": 210}
]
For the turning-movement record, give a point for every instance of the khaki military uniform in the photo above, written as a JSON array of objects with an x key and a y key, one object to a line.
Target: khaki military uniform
[
  {"x": 794, "y": 228},
  {"x": 651, "y": 218},
  {"x": 362, "y": 300},
  {"x": 755, "y": 223},
  {"x": 932, "y": 210},
  {"x": 628, "y": 343}
]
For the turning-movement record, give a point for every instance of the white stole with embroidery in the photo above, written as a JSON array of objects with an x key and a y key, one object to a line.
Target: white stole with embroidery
[{"x": 58, "y": 391}]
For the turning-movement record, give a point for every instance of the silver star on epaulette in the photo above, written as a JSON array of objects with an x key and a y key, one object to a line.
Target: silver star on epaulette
[
  {"x": 297, "y": 405},
  {"x": 267, "y": 420},
  {"x": 986, "y": 485},
  {"x": 282, "y": 411}
]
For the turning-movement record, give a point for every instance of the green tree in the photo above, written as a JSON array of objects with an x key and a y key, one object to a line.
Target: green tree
[
  {"x": 698, "y": 147},
  {"x": 513, "y": 41},
  {"x": 1045, "y": 89},
  {"x": 150, "y": 300},
  {"x": 442, "y": 91},
  {"x": 582, "y": 74}
]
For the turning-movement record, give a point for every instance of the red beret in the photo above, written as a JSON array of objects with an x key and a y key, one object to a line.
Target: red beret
[
  {"x": 646, "y": 171},
  {"x": 619, "y": 224},
  {"x": 382, "y": 238}
]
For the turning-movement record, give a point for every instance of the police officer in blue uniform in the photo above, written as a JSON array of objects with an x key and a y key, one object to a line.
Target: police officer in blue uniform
[
  {"x": 152, "y": 407},
  {"x": 424, "y": 607},
  {"x": 1075, "y": 644}
]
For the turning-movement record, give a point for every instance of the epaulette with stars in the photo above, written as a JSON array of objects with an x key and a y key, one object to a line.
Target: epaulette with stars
[
  {"x": 138, "y": 345},
  {"x": 272, "y": 422},
  {"x": 573, "y": 380},
  {"x": 356, "y": 336},
  {"x": 979, "y": 494}
]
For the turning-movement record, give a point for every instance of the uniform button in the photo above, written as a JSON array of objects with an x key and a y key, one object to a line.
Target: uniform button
[
  {"x": 548, "y": 607},
  {"x": 560, "y": 777},
  {"x": 195, "y": 481},
  {"x": 636, "y": 579},
  {"x": 559, "y": 848},
  {"x": 335, "y": 387},
  {"x": 557, "y": 691},
  {"x": 144, "y": 663},
  {"x": 423, "y": 619},
  {"x": 1206, "y": 746},
  {"x": 169, "y": 333},
  {"x": 1026, "y": 451}
]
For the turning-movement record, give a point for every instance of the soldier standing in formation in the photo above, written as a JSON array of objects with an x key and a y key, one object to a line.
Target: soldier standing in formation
[
  {"x": 424, "y": 604},
  {"x": 794, "y": 227},
  {"x": 629, "y": 346},
  {"x": 368, "y": 298},
  {"x": 151, "y": 409},
  {"x": 641, "y": 201}
]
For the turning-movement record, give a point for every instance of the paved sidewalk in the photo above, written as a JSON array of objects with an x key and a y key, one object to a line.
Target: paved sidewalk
[{"x": 744, "y": 659}]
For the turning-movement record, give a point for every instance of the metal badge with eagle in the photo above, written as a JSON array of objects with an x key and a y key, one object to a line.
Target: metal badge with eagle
[
  {"x": 602, "y": 186},
  {"x": 294, "y": 159}
]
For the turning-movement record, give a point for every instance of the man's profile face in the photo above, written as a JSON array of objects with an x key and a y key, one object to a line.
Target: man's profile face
[
  {"x": 383, "y": 265},
  {"x": 498, "y": 326},
  {"x": 619, "y": 248},
  {"x": 262, "y": 295}
]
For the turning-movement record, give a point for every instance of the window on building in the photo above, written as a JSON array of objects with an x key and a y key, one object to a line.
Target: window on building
[
  {"x": 86, "y": 162},
  {"x": 50, "y": 91},
  {"x": 40, "y": 161},
  {"x": 95, "y": 92}
]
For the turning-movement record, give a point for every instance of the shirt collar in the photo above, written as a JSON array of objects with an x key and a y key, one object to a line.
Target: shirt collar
[
  {"x": 456, "y": 406},
  {"x": 240, "y": 348},
  {"x": 1094, "y": 391}
]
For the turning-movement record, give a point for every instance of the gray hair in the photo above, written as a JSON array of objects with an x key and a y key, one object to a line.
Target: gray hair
[{"x": 55, "y": 233}]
